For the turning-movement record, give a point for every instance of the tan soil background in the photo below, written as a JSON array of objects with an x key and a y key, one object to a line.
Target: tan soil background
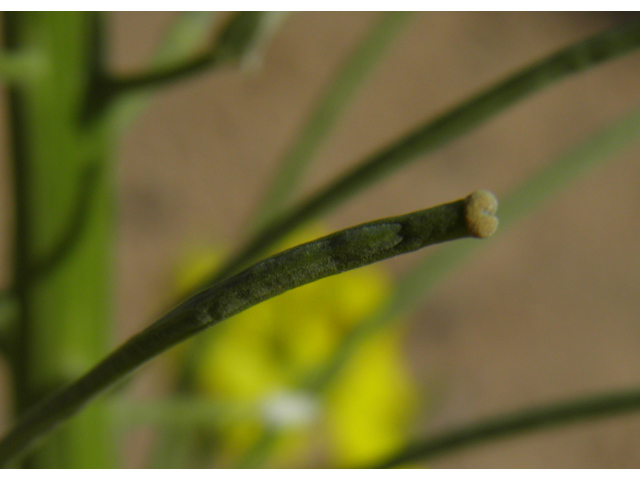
[{"x": 547, "y": 311}]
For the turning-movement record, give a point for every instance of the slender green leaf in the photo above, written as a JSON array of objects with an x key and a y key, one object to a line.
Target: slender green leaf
[{"x": 332, "y": 103}]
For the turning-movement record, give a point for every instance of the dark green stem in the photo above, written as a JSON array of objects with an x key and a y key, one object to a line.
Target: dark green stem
[
  {"x": 528, "y": 420},
  {"x": 332, "y": 103},
  {"x": 130, "y": 84},
  {"x": 569, "y": 166},
  {"x": 461, "y": 119},
  {"x": 236, "y": 39},
  {"x": 9, "y": 314},
  {"x": 429, "y": 272},
  {"x": 330, "y": 255}
]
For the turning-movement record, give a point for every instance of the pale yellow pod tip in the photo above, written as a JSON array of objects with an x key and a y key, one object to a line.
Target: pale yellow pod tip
[{"x": 480, "y": 209}]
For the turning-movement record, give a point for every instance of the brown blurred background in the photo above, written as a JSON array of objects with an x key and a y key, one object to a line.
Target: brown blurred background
[{"x": 545, "y": 312}]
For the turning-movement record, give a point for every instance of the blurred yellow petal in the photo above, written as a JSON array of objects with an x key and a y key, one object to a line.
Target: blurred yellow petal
[
  {"x": 359, "y": 293},
  {"x": 236, "y": 438},
  {"x": 370, "y": 404},
  {"x": 239, "y": 362},
  {"x": 195, "y": 267},
  {"x": 260, "y": 354},
  {"x": 310, "y": 232},
  {"x": 308, "y": 338}
]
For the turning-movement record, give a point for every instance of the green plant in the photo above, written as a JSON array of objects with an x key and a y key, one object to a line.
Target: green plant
[{"x": 67, "y": 113}]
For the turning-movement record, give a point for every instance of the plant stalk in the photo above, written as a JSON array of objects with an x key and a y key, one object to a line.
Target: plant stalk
[
  {"x": 434, "y": 134},
  {"x": 537, "y": 418},
  {"x": 336, "y": 253},
  {"x": 63, "y": 237}
]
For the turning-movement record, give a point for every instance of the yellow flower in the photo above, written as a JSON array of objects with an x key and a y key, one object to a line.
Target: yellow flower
[{"x": 260, "y": 356}]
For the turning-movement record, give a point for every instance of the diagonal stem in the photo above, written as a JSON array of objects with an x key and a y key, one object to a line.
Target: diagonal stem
[
  {"x": 241, "y": 37},
  {"x": 453, "y": 124},
  {"x": 330, "y": 255},
  {"x": 429, "y": 272},
  {"x": 571, "y": 412},
  {"x": 238, "y": 37}
]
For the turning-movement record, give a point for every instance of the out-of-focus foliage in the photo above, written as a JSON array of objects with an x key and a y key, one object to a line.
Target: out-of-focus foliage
[{"x": 263, "y": 357}]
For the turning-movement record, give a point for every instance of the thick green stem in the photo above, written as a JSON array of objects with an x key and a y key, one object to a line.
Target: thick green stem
[
  {"x": 63, "y": 200},
  {"x": 414, "y": 287},
  {"x": 319, "y": 125},
  {"x": 547, "y": 416},
  {"x": 62, "y": 266},
  {"x": 336, "y": 253},
  {"x": 453, "y": 124}
]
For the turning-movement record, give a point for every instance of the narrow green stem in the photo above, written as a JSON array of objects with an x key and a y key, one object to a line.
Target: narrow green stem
[
  {"x": 336, "y": 253},
  {"x": 547, "y": 416},
  {"x": 428, "y": 273},
  {"x": 332, "y": 103},
  {"x": 187, "y": 32},
  {"x": 242, "y": 33},
  {"x": 163, "y": 76},
  {"x": 461, "y": 119},
  {"x": 412, "y": 288}
]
